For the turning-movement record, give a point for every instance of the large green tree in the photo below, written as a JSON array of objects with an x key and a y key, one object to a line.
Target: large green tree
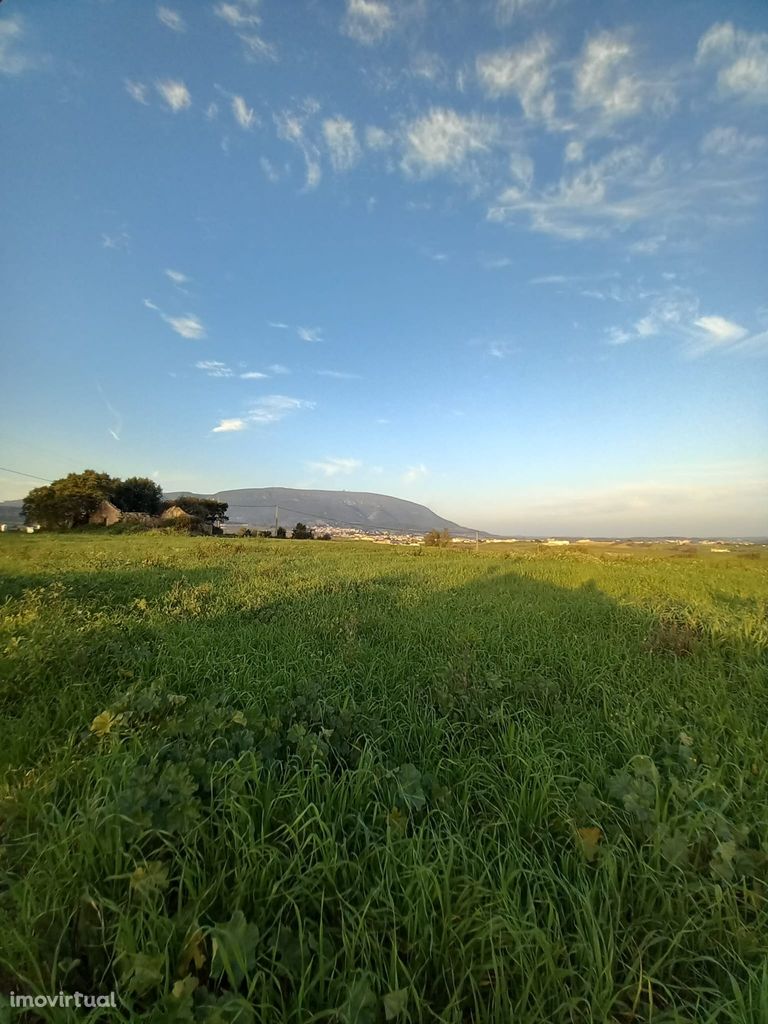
[
  {"x": 137, "y": 494},
  {"x": 69, "y": 501}
]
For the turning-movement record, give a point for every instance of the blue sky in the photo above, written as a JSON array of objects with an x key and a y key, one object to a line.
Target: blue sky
[{"x": 503, "y": 257}]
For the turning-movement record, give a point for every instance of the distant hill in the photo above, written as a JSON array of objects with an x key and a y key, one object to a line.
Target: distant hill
[
  {"x": 10, "y": 511},
  {"x": 255, "y": 506}
]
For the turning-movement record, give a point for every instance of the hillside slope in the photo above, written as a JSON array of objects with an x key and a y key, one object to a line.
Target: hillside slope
[{"x": 255, "y": 506}]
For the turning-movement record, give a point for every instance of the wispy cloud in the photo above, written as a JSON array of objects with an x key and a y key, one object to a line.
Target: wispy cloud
[
  {"x": 338, "y": 374},
  {"x": 253, "y": 375},
  {"x": 310, "y": 333},
  {"x": 368, "y": 21},
  {"x": 213, "y": 368},
  {"x": 267, "y": 410},
  {"x": 524, "y": 72},
  {"x": 12, "y": 60},
  {"x": 244, "y": 17},
  {"x": 279, "y": 325},
  {"x": 177, "y": 277},
  {"x": 603, "y": 79},
  {"x": 273, "y": 408},
  {"x": 174, "y": 93},
  {"x": 137, "y": 91},
  {"x": 171, "y": 19},
  {"x": 243, "y": 114},
  {"x": 121, "y": 240},
  {"x": 188, "y": 326},
  {"x": 230, "y": 425},
  {"x": 116, "y": 429},
  {"x": 335, "y": 467},
  {"x": 278, "y": 369},
  {"x": 741, "y": 60},
  {"x": 444, "y": 140},
  {"x": 343, "y": 147},
  {"x": 417, "y": 472},
  {"x": 509, "y": 10},
  {"x": 727, "y": 141},
  {"x": 675, "y": 315},
  {"x": 292, "y": 127}
]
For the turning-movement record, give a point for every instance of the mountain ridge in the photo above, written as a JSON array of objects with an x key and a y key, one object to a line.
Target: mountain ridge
[{"x": 363, "y": 510}]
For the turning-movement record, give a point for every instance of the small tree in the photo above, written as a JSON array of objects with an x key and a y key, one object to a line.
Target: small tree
[
  {"x": 437, "y": 539},
  {"x": 302, "y": 532},
  {"x": 206, "y": 510},
  {"x": 280, "y": 532}
]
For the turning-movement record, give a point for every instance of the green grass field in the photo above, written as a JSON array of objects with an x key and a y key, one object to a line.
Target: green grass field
[{"x": 262, "y": 781}]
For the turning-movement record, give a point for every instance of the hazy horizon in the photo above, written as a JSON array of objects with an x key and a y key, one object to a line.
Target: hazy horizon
[{"x": 505, "y": 258}]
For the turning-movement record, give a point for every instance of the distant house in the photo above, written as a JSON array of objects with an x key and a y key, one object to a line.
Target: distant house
[
  {"x": 175, "y": 512},
  {"x": 106, "y": 514}
]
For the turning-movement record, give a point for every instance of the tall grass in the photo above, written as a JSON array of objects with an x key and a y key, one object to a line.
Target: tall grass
[{"x": 260, "y": 781}]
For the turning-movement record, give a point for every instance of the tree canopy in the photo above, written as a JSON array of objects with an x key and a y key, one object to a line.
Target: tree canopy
[
  {"x": 137, "y": 494},
  {"x": 71, "y": 500}
]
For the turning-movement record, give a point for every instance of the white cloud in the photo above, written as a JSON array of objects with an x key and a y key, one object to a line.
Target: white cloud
[
  {"x": 253, "y": 375},
  {"x": 377, "y": 138},
  {"x": 188, "y": 326},
  {"x": 336, "y": 467},
  {"x": 574, "y": 152},
  {"x": 310, "y": 333},
  {"x": 415, "y": 473},
  {"x": 367, "y": 21},
  {"x": 508, "y": 10},
  {"x": 257, "y": 47},
  {"x": 727, "y": 141},
  {"x": 603, "y": 78},
  {"x": 741, "y": 59},
  {"x": 171, "y": 19},
  {"x": 118, "y": 241},
  {"x": 226, "y": 426},
  {"x": 176, "y": 276},
  {"x": 273, "y": 408},
  {"x": 12, "y": 62},
  {"x": 243, "y": 14},
  {"x": 271, "y": 173},
  {"x": 212, "y": 368},
  {"x": 175, "y": 94},
  {"x": 137, "y": 91},
  {"x": 338, "y": 374},
  {"x": 589, "y": 203},
  {"x": 343, "y": 148},
  {"x": 291, "y": 126},
  {"x": 243, "y": 114},
  {"x": 279, "y": 325},
  {"x": 444, "y": 140},
  {"x": 720, "y": 330},
  {"x": 524, "y": 72},
  {"x": 278, "y": 368}
]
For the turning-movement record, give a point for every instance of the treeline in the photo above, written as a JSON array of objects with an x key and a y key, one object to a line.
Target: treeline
[{"x": 71, "y": 501}]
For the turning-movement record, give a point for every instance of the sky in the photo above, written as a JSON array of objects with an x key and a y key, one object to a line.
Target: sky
[{"x": 506, "y": 258}]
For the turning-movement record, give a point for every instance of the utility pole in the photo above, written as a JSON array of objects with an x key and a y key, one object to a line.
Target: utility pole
[
  {"x": 477, "y": 540},
  {"x": 277, "y": 524}
]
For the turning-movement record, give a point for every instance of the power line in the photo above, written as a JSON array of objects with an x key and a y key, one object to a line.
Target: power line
[{"x": 4, "y": 469}]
